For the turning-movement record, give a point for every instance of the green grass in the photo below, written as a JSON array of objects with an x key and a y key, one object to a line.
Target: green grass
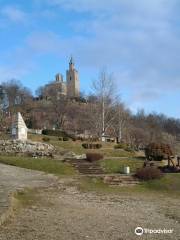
[
  {"x": 107, "y": 148},
  {"x": 117, "y": 165},
  {"x": 116, "y": 153},
  {"x": 95, "y": 185},
  {"x": 40, "y": 164},
  {"x": 167, "y": 186},
  {"x": 170, "y": 183},
  {"x": 69, "y": 145}
]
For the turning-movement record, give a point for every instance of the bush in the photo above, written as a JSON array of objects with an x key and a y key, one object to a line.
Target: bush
[
  {"x": 123, "y": 146},
  {"x": 128, "y": 149},
  {"x": 91, "y": 145},
  {"x": 57, "y": 133},
  {"x": 65, "y": 139},
  {"x": 85, "y": 145},
  {"x": 148, "y": 173},
  {"x": 98, "y": 145},
  {"x": 120, "y": 146},
  {"x": 71, "y": 136},
  {"x": 92, "y": 157},
  {"x": 60, "y": 138},
  {"x": 158, "y": 151},
  {"x": 46, "y": 139}
]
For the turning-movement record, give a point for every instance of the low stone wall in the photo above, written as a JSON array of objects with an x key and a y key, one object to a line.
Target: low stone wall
[{"x": 29, "y": 148}]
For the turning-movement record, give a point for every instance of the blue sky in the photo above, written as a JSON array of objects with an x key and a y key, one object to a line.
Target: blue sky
[{"x": 137, "y": 40}]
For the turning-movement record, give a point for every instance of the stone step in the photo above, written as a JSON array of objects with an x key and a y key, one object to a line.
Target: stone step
[
  {"x": 88, "y": 173},
  {"x": 93, "y": 169},
  {"x": 87, "y": 168},
  {"x": 90, "y": 170},
  {"x": 132, "y": 181},
  {"x": 121, "y": 179},
  {"x": 124, "y": 183},
  {"x": 85, "y": 165},
  {"x": 126, "y": 177}
]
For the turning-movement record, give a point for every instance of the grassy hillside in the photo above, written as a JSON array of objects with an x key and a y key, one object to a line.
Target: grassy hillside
[
  {"x": 117, "y": 165},
  {"x": 107, "y": 148}
]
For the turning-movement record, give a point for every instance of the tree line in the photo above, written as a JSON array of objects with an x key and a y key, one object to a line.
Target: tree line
[{"x": 100, "y": 113}]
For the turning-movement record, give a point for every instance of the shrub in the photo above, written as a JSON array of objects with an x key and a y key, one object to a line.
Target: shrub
[
  {"x": 60, "y": 139},
  {"x": 158, "y": 152},
  {"x": 65, "y": 139},
  {"x": 71, "y": 136},
  {"x": 128, "y": 149},
  {"x": 148, "y": 173},
  {"x": 46, "y": 139},
  {"x": 98, "y": 145},
  {"x": 57, "y": 133},
  {"x": 91, "y": 145},
  {"x": 85, "y": 145},
  {"x": 123, "y": 146},
  {"x": 120, "y": 145},
  {"x": 92, "y": 157}
]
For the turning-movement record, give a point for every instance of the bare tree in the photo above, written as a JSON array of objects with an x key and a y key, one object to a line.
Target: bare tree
[
  {"x": 121, "y": 120},
  {"x": 59, "y": 106},
  {"x": 105, "y": 90},
  {"x": 16, "y": 95}
]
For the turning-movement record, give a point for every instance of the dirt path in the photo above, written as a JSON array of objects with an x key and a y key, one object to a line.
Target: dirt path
[
  {"x": 14, "y": 178},
  {"x": 64, "y": 213}
]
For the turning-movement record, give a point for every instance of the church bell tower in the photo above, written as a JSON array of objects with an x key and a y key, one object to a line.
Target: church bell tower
[{"x": 72, "y": 79}]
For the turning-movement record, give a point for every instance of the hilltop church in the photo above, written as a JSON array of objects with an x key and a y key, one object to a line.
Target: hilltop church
[{"x": 70, "y": 88}]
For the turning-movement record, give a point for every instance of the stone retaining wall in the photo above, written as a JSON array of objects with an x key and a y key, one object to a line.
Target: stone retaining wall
[{"x": 29, "y": 148}]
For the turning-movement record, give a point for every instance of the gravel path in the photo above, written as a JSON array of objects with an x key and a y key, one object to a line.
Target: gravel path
[
  {"x": 14, "y": 178},
  {"x": 64, "y": 213}
]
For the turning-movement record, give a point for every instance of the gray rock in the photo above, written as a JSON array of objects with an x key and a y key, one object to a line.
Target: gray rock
[
  {"x": 79, "y": 157},
  {"x": 26, "y": 147}
]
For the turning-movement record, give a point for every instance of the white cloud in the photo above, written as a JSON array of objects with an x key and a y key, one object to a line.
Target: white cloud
[
  {"x": 148, "y": 7},
  {"x": 138, "y": 40},
  {"x": 13, "y": 13}
]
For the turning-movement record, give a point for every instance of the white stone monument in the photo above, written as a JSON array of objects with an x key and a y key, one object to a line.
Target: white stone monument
[{"x": 19, "y": 129}]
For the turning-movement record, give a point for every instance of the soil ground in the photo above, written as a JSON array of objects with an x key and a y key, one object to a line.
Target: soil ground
[{"x": 60, "y": 211}]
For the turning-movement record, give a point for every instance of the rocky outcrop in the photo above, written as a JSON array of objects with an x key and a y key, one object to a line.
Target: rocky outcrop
[{"x": 19, "y": 147}]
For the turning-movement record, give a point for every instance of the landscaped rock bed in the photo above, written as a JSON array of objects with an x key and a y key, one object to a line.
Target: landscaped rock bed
[
  {"x": 35, "y": 149},
  {"x": 29, "y": 148}
]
